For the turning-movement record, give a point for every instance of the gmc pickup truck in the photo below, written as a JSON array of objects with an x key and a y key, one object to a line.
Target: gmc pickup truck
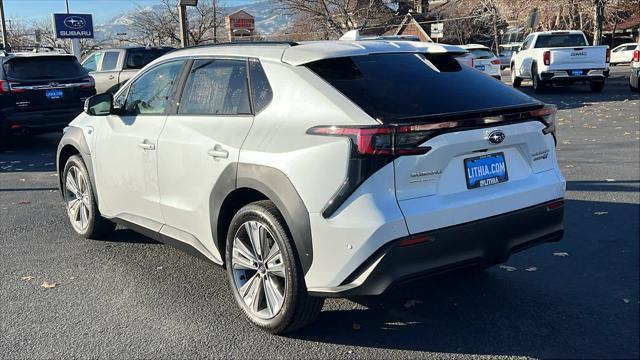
[
  {"x": 111, "y": 68},
  {"x": 560, "y": 57}
]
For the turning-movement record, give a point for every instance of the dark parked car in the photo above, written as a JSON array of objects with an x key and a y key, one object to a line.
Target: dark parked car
[{"x": 40, "y": 92}]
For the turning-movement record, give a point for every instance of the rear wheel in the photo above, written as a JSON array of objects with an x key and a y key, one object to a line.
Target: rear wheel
[
  {"x": 515, "y": 81},
  {"x": 264, "y": 272},
  {"x": 538, "y": 85},
  {"x": 596, "y": 86},
  {"x": 82, "y": 208}
]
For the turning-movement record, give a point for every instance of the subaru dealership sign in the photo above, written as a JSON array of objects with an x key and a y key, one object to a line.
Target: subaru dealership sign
[{"x": 73, "y": 26}]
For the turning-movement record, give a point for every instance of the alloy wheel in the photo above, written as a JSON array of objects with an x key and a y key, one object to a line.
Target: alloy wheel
[
  {"x": 258, "y": 270},
  {"x": 76, "y": 195}
]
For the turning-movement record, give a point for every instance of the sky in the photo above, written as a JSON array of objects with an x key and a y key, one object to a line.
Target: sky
[{"x": 102, "y": 10}]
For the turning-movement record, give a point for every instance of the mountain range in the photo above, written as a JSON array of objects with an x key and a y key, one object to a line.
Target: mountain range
[{"x": 268, "y": 19}]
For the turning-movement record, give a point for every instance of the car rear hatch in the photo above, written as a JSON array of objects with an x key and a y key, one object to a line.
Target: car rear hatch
[
  {"x": 442, "y": 125},
  {"x": 42, "y": 83}
]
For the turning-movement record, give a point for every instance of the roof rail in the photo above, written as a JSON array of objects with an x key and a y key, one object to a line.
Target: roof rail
[{"x": 248, "y": 43}]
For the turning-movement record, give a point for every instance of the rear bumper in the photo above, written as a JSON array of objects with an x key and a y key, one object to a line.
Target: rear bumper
[
  {"x": 565, "y": 76},
  {"x": 479, "y": 243},
  {"x": 37, "y": 122}
]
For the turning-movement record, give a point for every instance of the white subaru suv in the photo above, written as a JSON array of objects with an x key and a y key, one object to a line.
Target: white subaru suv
[{"x": 314, "y": 170}]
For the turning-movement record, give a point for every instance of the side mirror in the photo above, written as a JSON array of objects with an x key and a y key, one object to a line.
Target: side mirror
[{"x": 99, "y": 105}]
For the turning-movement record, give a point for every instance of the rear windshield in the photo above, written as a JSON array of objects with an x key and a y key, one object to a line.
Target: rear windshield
[
  {"x": 396, "y": 87},
  {"x": 560, "y": 40},
  {"x": 481, "y": 53},
  {"x": 44, "y": 68},
  {"x": 139, "y": 58}
]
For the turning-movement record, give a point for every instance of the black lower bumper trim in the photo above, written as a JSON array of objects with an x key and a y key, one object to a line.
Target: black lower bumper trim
[{"x": 480, "y": 243}]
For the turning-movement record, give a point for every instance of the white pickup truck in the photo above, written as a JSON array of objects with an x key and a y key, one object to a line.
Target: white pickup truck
[{"x": 561, "y": 57}]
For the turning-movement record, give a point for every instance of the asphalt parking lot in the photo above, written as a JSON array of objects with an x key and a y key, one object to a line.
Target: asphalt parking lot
[{"x": 129, "y": 296}]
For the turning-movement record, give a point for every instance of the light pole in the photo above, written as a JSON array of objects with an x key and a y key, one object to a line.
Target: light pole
[
  {"x": 182, "y": 15},
  {"x": 4, "y": 25},
  {"x": 75, "y": 42}
]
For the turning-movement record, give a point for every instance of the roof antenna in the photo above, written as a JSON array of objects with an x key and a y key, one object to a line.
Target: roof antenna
[{"x": 352, "y": 35}]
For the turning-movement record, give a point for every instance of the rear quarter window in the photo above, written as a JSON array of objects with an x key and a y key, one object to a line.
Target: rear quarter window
[
  {"x": 400, "y": 87},
  {"x": 44, "y": 68}
]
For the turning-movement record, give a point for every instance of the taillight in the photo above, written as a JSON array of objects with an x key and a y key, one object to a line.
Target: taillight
[
  {"x": 383, "y": 140},
  {"x": 4, "y": 87},
  {"x": 7, "y": 87},
  {"x": 608, "y": 59},
  {"x": 546, "y": 57},
  {"x": 89, "y": 82},
  {"x": 636, "y": 56},
  {"x": 548, "y": 115},
  {"x": 495, "y": 61}
]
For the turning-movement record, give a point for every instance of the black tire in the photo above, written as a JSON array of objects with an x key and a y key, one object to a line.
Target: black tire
[
  {"x": 538, "y": 85},
  {"x": 596, "y": 86},
  {"x": 298, "y": 308},
  {"x": 515, "y": 81},
  {"x": 96, "y": 226}
]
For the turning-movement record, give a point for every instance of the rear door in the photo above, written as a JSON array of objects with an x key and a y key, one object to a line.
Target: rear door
[
  {"x": 44, "y": 83},
  {"x": 200, "y": 145},
  {"x": 106, "y": 76}
]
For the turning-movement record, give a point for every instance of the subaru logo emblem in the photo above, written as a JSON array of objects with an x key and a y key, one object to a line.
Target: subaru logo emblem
[
  {"x": 53, "y": 84},
  {"x": 496, "y": 137},
  {"x": 74, "y": 22}
]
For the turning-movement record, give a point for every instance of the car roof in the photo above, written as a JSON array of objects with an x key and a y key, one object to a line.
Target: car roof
[
  {"x": 306, "y": 52},
  {"x": 36, "y": 54},
  {"x": 475, "y": 47},
  {"x": 558, "y": 32}
]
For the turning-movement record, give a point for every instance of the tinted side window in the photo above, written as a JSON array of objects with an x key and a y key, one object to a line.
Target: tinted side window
[
  {"x": 110, "y": 60},
  {"x": 150, "y": 92},
  {"x": 216, "y": 87},
  {"x": 260, "y": 88},
  {"x": 138, "y": 58},
  {"x": 91, "y": 63}
]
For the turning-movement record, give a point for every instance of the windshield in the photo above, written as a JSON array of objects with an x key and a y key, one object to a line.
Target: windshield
[
  {"x": 44, "y": 68},
  {"x": 561, "y": 40},
  {"x": 392, "y": 87}
]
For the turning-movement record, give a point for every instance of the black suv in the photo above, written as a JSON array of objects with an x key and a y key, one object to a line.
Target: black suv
[{"x": 40, "y": 92}]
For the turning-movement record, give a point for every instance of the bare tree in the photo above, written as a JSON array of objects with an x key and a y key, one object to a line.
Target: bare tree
[
  {"x": 331, "y": 18},
  {"x": 160, "y": 25}
]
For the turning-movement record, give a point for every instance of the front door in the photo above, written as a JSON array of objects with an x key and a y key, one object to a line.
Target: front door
[
  {"x": 126, "y": 148},
  {"x": 200, "y": 146}
]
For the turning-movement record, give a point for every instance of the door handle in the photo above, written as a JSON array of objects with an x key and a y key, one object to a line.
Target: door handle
[
  {"x": 146, "y": 145},
  {"x": 218, "y": 152},
  {"x": 111, "y": 77}
]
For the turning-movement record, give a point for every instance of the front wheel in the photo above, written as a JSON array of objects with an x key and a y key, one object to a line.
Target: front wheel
[
  {"x": 82, "y": 208},
  {"x": 264, "y": 272},
  {"x": 596, "y": 86}
]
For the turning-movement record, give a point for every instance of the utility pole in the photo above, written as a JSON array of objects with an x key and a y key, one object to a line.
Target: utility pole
[
  {"x": 75, "y": 43},
  {"x": 184, "y": 28},
  {"x": 4, "y": 26}
]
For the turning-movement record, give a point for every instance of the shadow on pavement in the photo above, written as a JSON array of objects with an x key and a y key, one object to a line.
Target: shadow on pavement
[
  {"x": 127, "y": 236},
  {"x": 609, "y": 186},
  {"x": 30, "y": 154},
  {"x": 576, "y": 303}
]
